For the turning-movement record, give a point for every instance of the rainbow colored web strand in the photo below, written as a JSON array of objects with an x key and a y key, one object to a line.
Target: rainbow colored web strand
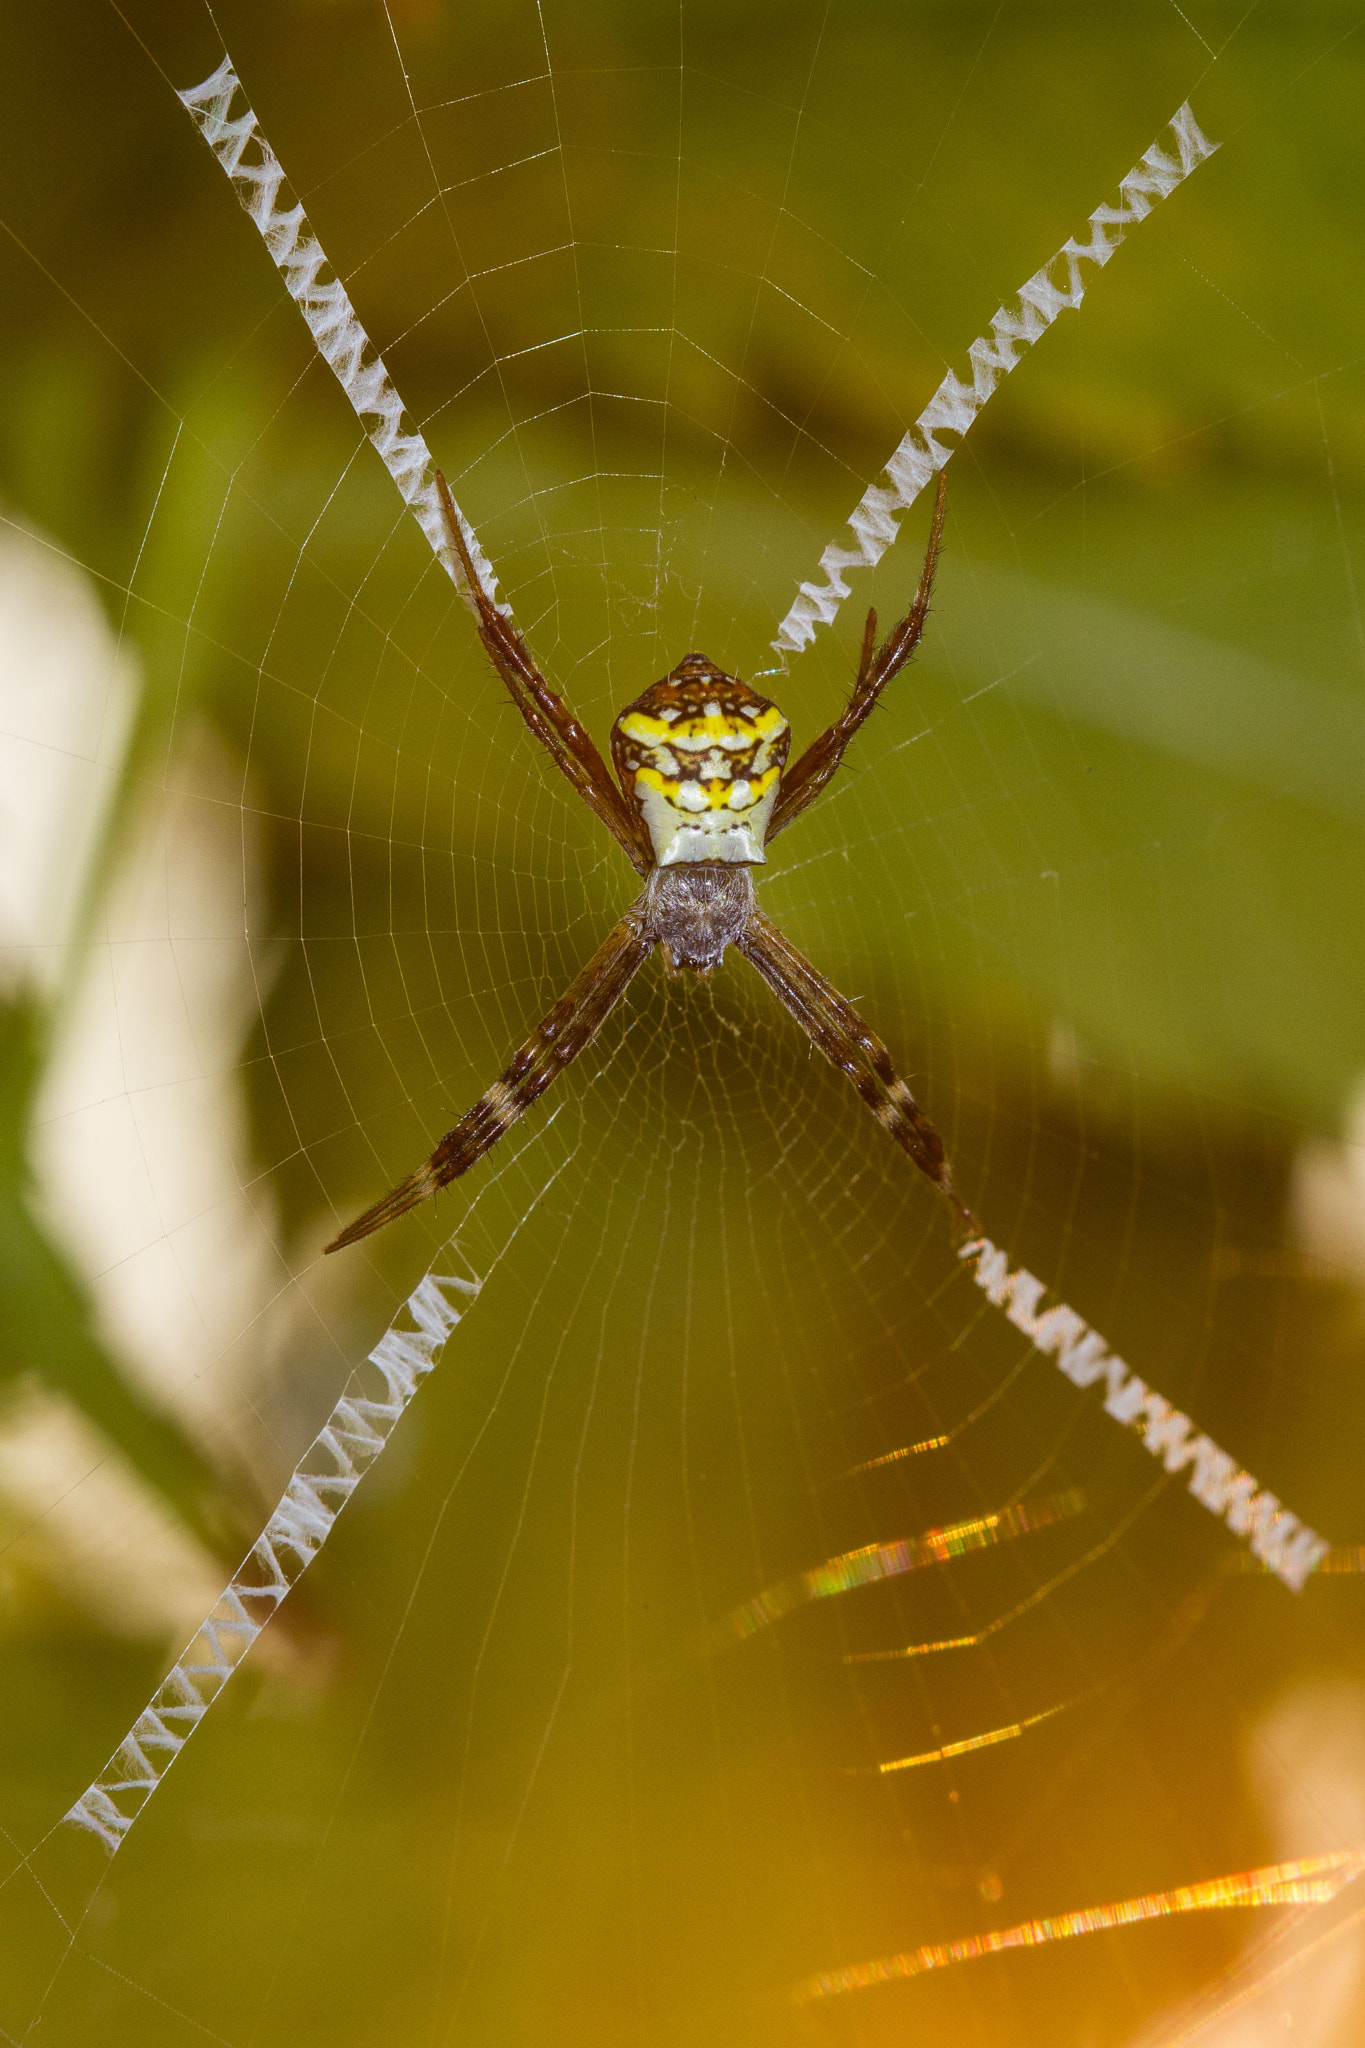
[
  {"x": 875, "y": 1561},
  {"x": 1312, "y": 1880},
  {"x": 968, "y": 1743}
]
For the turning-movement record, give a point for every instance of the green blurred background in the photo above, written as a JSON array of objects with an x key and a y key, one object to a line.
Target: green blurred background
[{"x": 663, "y": 288}]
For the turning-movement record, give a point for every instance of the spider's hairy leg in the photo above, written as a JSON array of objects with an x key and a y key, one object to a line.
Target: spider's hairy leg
[
  {"x": 542, "y": 707},
  {"x": 804, "y": 781},
  {"x": 835, "y": 1029},
  {"x": 570, "y": 1026}
]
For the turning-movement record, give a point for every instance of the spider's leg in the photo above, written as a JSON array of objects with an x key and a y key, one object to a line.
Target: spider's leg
[
  {"x": 570, "y": 1026},
  {"x": 804, "y": 781},
  {"x": 835, "y": 1029},
  {"x": 544, "y": 710}
]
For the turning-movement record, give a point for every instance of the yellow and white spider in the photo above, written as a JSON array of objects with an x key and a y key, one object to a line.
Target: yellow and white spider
[{"x": 701, "y": 762}]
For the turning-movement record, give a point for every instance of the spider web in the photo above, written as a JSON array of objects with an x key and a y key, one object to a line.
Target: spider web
[{"x": 747, "y": 1617}]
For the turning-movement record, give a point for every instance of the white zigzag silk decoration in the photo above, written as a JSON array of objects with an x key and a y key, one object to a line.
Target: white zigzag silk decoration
[
  {"x": 341, "y": 341},
  {"x": 875, "y": 520},
  {"x": 1277, "y": 1537},
  {"x": 329, "y": 1472}
]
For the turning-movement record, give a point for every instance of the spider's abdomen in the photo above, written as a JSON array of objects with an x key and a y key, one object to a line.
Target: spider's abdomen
[{"x": 699, "y": 757}]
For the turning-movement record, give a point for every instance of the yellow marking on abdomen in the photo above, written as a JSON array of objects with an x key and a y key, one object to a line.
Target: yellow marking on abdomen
[
  {"x": 716, "y": 792},
  {"x": 704, "y": 730}
]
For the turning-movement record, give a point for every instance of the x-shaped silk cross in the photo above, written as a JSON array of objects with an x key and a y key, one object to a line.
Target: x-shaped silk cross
[{"x": 369, "y": 1409}]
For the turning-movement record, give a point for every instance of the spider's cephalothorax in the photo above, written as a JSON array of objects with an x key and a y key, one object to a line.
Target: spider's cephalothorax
[
  {"x": 699, "y": 757},
  {"x": 695, "y": 910},
  {"x": 702, "y": 762}
]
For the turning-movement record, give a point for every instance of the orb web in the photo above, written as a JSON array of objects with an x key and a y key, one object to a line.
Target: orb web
[{"x": 749, "y": 1626}]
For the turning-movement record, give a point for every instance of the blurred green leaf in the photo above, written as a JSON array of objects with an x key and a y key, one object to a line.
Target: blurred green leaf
[{"x": 48, "y": 1326}]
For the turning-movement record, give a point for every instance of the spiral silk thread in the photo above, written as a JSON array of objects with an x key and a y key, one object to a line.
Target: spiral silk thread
[
  {"x": 257, "y": 177},
  {"x": 875, "y": 520}
]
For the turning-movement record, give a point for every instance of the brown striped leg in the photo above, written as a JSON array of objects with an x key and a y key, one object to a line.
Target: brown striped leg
[
  {"x": 805, "y": 779},
  {"x": 544, "y": 710},
  {"x": 570, "y": 1026},
  {"x": 836, "y": 1029}
]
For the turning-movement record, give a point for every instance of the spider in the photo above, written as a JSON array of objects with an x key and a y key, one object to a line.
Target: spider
[{"x": 704, "y": 786}]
